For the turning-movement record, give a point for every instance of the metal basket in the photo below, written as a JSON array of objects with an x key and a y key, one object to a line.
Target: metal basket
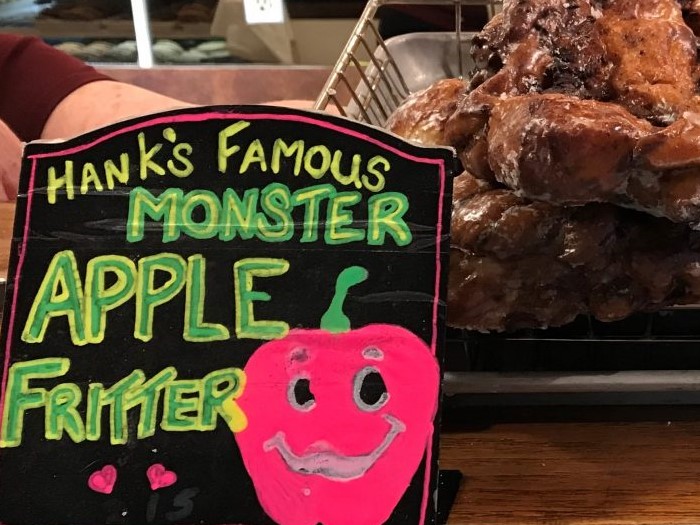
[
  {"x": 647, "y": 359},
  {"x": 370, "y": 77}
]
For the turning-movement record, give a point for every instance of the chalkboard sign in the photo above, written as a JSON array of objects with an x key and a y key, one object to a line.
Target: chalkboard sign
[{"x": 225, "y": 315}]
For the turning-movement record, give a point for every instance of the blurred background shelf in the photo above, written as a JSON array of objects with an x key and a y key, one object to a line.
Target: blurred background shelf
[
  {"x": 320, "y": 29},
  {"x": 109, "y": 28}
]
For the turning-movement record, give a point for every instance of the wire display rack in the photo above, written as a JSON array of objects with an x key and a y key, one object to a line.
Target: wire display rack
[
  {"x": 646, "y": 359},
  {"x": 367, "y": 82}
]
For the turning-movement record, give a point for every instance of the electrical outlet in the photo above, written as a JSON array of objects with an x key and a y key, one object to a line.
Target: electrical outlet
[{"x": 264, "y": 11}]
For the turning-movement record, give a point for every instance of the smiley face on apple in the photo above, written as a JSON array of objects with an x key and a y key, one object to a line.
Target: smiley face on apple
[{"x": 338, "y": 420}]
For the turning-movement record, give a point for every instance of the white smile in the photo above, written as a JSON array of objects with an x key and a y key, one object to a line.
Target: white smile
[{"x": 329, "y": 464}]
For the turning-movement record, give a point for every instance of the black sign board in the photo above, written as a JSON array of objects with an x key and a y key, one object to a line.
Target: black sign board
[{"x": 225, "y": 315}]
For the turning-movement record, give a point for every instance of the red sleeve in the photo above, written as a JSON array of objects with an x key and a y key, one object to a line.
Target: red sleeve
[{"x": 34, "y": 78}]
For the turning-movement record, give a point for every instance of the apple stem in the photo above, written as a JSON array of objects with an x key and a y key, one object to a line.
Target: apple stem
[{"x": 335, "y": 320}]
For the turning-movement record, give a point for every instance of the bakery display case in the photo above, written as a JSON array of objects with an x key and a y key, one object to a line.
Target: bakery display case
[
  {"x": 176, "y": 32},
  {"x": 102, "y": 31}
]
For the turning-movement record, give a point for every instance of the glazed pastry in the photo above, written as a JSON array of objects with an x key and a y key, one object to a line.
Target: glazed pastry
[
  {"x": 653, "y": 57},
  {"x": 569, "y": 124},
  {"x": 578, "y": 111},
  {"x": 518, "y": 264},
  {"x": 422, "y": 116}
]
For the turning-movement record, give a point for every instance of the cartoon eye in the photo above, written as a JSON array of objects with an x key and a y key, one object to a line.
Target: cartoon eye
[
  {"x": 369, "y": 390},
  {"x": 299, "y": 394}
]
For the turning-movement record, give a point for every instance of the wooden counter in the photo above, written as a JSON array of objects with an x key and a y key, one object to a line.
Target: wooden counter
[
  {"x": 576, "y": 473},
  {"x": 7, "y": 215},
  {"x": 628, "y": 466}
]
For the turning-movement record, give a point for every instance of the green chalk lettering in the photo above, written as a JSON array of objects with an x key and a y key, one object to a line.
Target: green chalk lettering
[
  {"x": 147, "y": 395},
  {"x": 219, "y": 387},
  {"x": 239, "y": 214},
  {"x": 60, "y": 294},
  {"x": 386, "y": 211},
  {"x": 311, "y": 199},
  {"x": 247, "y": 327},
  {"x": 62, "y": 413},
  {"x": 210, "y": 205},
  {"x": 276, "y": 202},
  {"x": 148, "y": 297},
  {"x": 100, "y": 298},
  {"x": 196, "y": 330},
  {"x": 177, "y": 409},
  {"x": 142, "y": 204},
  {"x": 93, "y": 413},
  {"x": 339, "y": 217},
  {"x": 115, "y": 397},
  {"x": 19, "y": 397}
]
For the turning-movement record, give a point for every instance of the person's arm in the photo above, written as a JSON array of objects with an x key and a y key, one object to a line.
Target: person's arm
[
  {"x": 45, "y": 93},
  {"x": 34, "y": 79},
  {"x": 100, "y": 103},
  {"x": 10, "y": 157}
]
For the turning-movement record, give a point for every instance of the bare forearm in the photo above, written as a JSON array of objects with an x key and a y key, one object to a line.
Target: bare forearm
[
  {"x": 100, "y": 103},
  {"x": 10, "y": 157}
]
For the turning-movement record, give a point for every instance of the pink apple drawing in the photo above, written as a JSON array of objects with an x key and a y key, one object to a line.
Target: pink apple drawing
[{"x": 338, "y": 419}]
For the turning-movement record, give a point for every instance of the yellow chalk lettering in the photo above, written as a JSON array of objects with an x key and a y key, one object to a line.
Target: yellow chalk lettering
[
  {"x": 255, "y": 154},
  {"x": 181, "y": 152},
  {"x": 225, "y": 151},
  {"x": 373, "y": 168},
  {"x": 354, "y": 177},
  {"x": 66, "y": 180},
  {"x": 146, "y": 162},
  {"x": 317, "y": 172},
  {"x": 280, "y": 148},
  {"x": 120, "y": 173},
  {"x": 89, "y": 177}
]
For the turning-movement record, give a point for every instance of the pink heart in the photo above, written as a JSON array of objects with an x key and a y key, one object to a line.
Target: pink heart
[
  {"x": 160, "y": 477},
  {"x": 103, "y": 480}
]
